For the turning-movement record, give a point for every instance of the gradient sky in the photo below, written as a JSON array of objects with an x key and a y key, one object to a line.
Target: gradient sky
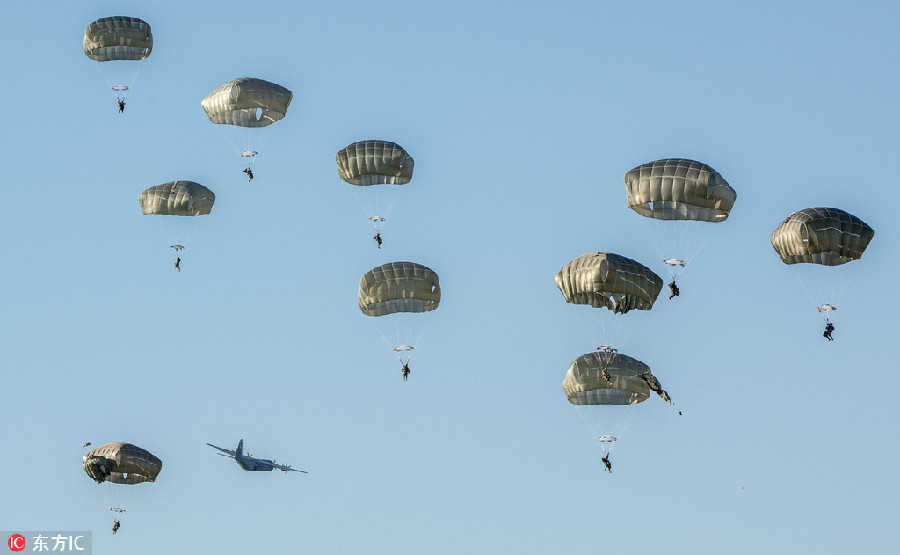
[{"x": 522, "y": 118}]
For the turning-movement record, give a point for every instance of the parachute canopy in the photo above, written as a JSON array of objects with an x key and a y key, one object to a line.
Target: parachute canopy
[
  {"x": 679, "y": 189},
  {"x": 121, "y": 463},
  {"x": 374, "y": 163},
  {"x": 826, "y": 236},
  {"x": 177, "y": 198},
  {"x": 399, "y": 287},
  {"x": 247, "y": 102},
  {"x": 118, "y": 38},
  {"x": 603, "y": 279},
  {"x": 584, "y": 383}
]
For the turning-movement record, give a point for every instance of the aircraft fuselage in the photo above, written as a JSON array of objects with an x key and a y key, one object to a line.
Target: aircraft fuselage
[{"x": 249, "y": 463}]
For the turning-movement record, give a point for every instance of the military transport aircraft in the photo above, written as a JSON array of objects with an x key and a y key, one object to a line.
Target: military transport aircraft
[{"x": 248, "y": 462}]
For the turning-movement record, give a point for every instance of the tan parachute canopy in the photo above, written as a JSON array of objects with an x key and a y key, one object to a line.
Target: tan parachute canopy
[
  {"x": 399, "y": 287},
  {"x": 584, "y": 383},
  {"x": 118, "y": 38},
  {"x": 679, "y": 189},
  {"x": 603, "y": 279},
  {"x": 177, "y": 198},
  {"x": 247, "y": 102},
  {"x": 121, "y": 463},
  {"x": 374, "y": 163},
  {"x": 826, "y": 236}
]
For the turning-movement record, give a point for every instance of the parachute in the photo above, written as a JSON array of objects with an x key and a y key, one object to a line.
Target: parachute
[
  {"x": 604, "y": 404},
  {"x": 608, "y": 281},
  {"x": 121, "y": 463},
  {"x": 118, "y": 44},
  {"x": 116, "y": 464},
  {"x": 368, "y": 164},
  {"x": 247, "y": 102},
  {"x": 678, "y": 197},
  {"x": 245, "y": 105},
  {"x": 814, "y": 242},
  {"x": 825, "y": 236},
  {"x": 585, "y": 385},
  {"x": 400, "y": 293},
  {"x": 178, "y": 198},
  {"x": 399, "y": 287},
  {"x": 118, "y": 38},
  {"x": 679, "y": 189}
]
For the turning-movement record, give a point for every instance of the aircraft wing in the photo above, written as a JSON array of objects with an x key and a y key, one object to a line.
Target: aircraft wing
[
  {"x": 228, "y": 452},
  {"x": 287, "y": 468}
]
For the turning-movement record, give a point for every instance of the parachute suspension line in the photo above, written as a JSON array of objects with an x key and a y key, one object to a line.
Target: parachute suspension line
[
  {"x": 402, "y": 348},
  {"x": 391, "y": 344},
  {"x": 677, "y": 240},
  {"x": 377, "y": 203},
  {"x": 246, "y": 142},
  {"x": 366, "y": 210},
  {"x": 607, "y": 422},
  {"x": 111, "y": 80},
  {"x": 259, "y": 142},
  {"x": 619, "y": 328},
  {"x": 697, "y": 241},
  {"x": 117, "y": 497},
  {"x": 694, "y": 243},
  {"x": 229, "y": 136},
  {"x": 825, "y": 286},
  {"x": 180, "y": 230},
  {"x": 103, "y": 75},
  {"x": 620, "y": 424},
  {"x": 662, "y": 247},
  {"x": 605, "y": 328},
  {"x": 408, "y": 330},
  {"x": 129, "y": 84},
  {"x": 387, "y": 207},
  {"x": 591, "y": 419},
  {"x": 119, "y": 75},
  {"x": 392, "y": 202}
]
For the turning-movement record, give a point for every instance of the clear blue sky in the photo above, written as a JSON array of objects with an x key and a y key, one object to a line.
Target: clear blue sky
[{"x": 522, "y": 118}]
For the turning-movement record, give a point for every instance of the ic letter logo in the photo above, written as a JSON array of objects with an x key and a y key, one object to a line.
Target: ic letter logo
[{"x": 16, "y": 542}]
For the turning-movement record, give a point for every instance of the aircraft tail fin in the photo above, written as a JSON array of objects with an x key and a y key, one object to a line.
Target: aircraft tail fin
[{"x": 240, "y": 448}]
